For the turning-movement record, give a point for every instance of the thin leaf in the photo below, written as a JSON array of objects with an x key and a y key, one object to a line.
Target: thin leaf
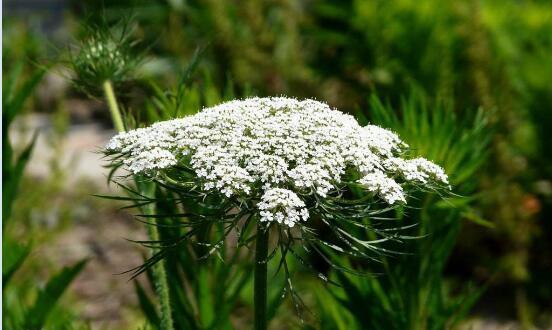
[
  {"x": 47, "y": 299},
  {"x": 147, "y": 306},
  {"x": 14, "y": 256},
  {"x": 11, "y": 184}
]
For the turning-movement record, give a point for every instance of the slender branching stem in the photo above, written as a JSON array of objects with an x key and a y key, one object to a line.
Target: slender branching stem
[
  {"x": 259, "y": 299},
  {"x": 146, "y": 189},
  {"x": 158, "y": 270},
  {"x": 113, "y": 107}
]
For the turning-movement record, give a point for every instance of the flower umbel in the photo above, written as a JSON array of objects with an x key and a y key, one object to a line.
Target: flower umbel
[
  {"x": 282, "y": 206},
  {"x": 284, "y": 153},
  {"x": 106, "y": 53},
  {"x": 285, "y": 165}
]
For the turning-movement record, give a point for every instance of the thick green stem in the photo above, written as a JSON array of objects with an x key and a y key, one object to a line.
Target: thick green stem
[
  {"x": 259, "y": 299},
  {"x": 158, "y": 270},
  {"x": 113, "y": 107}
]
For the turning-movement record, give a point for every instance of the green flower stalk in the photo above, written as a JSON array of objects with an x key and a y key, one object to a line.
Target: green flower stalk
[
  {"x": 148, "y": 190},
  {"x": 113, "y": 106},
  {"x": 158, "y": 270},
  {"x": 260, "y": 281},
  {"x": 106, "y": 58}
]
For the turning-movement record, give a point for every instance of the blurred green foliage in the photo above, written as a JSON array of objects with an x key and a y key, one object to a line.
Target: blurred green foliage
[
  {"x": 17, "y": 313},
  {"x": 412, "y": 292},
  {"x": 458, "y": 56}
]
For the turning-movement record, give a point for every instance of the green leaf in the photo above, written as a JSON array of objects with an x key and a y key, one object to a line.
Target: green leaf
[
  {"x": 23, "y": 159},
  {"x": 14, "y": 256},
  {"x": 206, "y": 304},
  {"x": 14, "y": 99},
  {"x": 473, "y": 217},
  {"x": 147, "y": 306},
  {"x": 464, "y": 306},
  {"x": 47, "y": 298},
  {"x": 192, "y": 66},
  {"x": 8, "y": 89},
  {"x": 11, "y": 184},
  {"x": 274, "y": 302}
]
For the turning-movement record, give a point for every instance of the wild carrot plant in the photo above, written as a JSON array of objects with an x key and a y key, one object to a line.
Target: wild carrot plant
[{"x": 280, "y": 166}]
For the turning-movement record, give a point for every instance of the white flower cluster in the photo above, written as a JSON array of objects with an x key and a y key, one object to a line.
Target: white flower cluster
[
  {"x": 95, "y": 50},
  {"x": 286, "y": 146},
  {"x": 387, "y": 188},
  {"x": 282, "y": 206}
]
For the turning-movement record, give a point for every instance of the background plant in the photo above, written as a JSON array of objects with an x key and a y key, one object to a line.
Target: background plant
[{"x": 18, "y": 312}]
